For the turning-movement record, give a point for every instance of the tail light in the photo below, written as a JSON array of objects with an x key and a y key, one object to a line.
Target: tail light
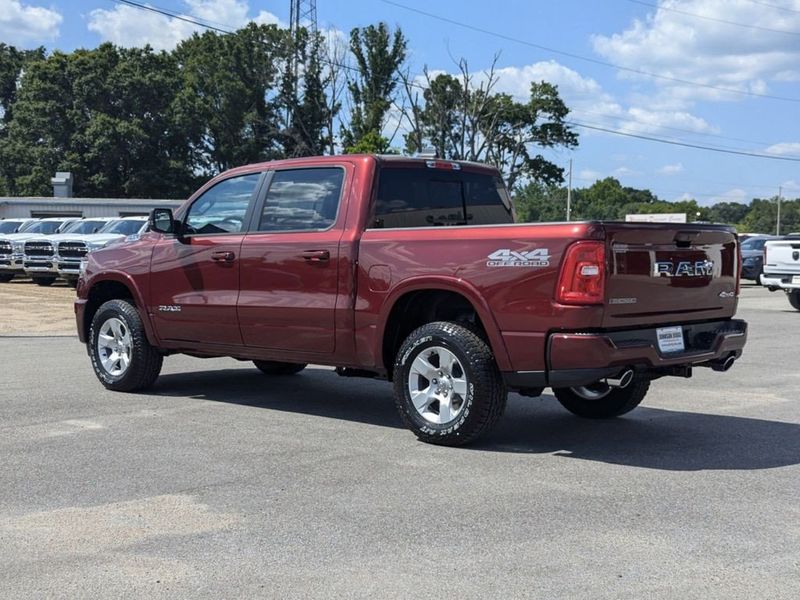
[
  {"x": 739, "y": 272},
  {"x": 583, "y": 274}
]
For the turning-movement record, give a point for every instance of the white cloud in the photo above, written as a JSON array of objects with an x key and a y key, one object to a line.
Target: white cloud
[
  {"x": 718, "y": 54},
  {"x": 784, "y": 148},
  {"x": 671, "y": 169},
  {"x": 27, "y": 25},
  {"x": 589, "y": 175},
  {"x": 624, "y": 171},
  {"x": 128, "y": 26},
  {"x": 733, "y": 195}
]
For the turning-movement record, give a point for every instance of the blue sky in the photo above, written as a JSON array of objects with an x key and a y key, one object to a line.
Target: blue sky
[{"x": 749, "y": 46}]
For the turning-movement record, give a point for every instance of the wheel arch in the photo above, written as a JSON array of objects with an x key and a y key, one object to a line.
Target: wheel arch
[
  {"x": 115, "y": 286},
  {"x": 427, "y": 299}
]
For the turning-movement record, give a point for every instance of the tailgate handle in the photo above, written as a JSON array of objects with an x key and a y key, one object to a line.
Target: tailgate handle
[
  {"x": 684, "y": 239},
  {"x": 316, "y": 255}
]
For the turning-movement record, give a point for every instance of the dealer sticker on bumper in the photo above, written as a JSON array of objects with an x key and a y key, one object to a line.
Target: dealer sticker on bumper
[
  {"x": 670, "y": 339},
  {"x": 795, "y": 279}
]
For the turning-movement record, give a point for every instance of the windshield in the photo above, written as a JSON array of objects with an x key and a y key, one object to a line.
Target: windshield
[
  {"x": 84, "y": 227},
  {"x": 45, "y": 227},
  {"x": 9, "y": 226},
  {"x": 753, "y": 244},
  {"x": 123, "y": 227}
]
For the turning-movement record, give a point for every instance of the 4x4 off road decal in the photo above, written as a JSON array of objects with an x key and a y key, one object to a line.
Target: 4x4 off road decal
[{"x": 514, "y": 258}]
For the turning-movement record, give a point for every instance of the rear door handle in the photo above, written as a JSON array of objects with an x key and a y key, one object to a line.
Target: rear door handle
[
  {"x": 223, "y": 256},
  {"x": 316, "y": 255}
]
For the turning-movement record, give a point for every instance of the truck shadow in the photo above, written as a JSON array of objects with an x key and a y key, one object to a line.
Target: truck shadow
[{"x": 652, "y": 438}]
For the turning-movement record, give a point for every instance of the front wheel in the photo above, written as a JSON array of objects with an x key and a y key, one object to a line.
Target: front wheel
[
  {"x": 122, "y": 358},
  {"x": 447, "y": 386},
  {"x": 601, "y": 401},
  {"x": 271, "y": 367},
  {"x": 794, "y": 299}
]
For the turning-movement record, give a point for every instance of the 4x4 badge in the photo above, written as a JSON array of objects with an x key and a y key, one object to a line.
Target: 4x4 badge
[{"x": 524, "y": 258}]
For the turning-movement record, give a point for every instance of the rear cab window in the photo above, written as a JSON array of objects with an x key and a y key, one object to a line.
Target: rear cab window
[{"x": 422, "y": 196}]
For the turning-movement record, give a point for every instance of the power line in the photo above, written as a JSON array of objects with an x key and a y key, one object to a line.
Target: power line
[
  {"x": 668, "y": 127},
  {"x": 166, "y": 13},
  {"x": 577, "y": 124},
  {"x": 684, "y": 144},
  {"x": 586, "y": 58},
  {"x": 776, "y": 7},
  {"x": 714, "y": 19}
]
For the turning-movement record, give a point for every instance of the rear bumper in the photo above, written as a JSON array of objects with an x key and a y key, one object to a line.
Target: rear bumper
[
  {"x": 783, "y": 282},
  {"x": 582, "y": 358}
]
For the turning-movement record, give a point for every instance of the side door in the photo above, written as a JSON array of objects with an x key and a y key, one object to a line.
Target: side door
[
  {"x": 290, "y": 262},
  {"x": 194, "y": 277}
]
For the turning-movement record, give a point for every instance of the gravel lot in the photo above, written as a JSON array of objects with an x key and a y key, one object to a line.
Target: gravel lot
[{"x": 222, "y": 482}]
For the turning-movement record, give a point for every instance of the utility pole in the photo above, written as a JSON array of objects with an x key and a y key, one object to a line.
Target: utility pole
[
  {"x": 778, "y": 227},
  {"x": 569, "y": 191},
  {"x": 302, "y": 14}
]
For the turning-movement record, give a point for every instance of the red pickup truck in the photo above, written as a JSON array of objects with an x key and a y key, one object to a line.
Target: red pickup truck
[{"x": 414, "y": 271}]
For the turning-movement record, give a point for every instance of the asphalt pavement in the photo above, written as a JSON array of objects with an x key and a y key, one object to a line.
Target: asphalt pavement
[{"x": 225, "y": 483}]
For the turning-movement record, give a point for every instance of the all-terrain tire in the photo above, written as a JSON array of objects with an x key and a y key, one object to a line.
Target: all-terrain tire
[
  {"x": 794, "y": 299},
  {"x": 484, "y": 400},
  {"x": 617, "y": 402},
  {"x": 271, "y": 367},
  {"x": 144, "y": 360},
  {"x": 44, "y": 281}
]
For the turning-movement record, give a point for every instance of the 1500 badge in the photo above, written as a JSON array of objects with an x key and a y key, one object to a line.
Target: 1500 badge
[{"x": 514, "y": 258}]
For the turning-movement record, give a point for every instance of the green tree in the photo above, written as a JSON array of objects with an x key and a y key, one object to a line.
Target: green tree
[
  {"x": 728, "y": 212},
  {"x": 462, "y": 118},
  {"x": 103, "y": 114},
  {"x": 310, "y": 114},
  {"x": 228, "y": 103},
  {"x": 537, "y": 202},
  {"x": 378, "y": 55}
]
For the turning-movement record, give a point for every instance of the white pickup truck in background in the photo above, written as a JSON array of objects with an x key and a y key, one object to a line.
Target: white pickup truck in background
[{"x": 782, "y": 267}]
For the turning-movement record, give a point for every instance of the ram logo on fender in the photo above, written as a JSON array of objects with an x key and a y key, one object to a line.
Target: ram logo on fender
[{"x": 514, "y": 258}]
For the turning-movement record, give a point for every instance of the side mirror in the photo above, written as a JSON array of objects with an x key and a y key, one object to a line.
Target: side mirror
[{"x": 162, "y": 221}]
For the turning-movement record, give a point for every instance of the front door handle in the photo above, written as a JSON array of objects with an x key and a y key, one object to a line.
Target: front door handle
[
  {"x": 223, "y": 256},
  {"x": 316, "y": 255}
]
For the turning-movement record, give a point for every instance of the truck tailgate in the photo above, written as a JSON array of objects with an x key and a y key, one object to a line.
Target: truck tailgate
[
  {"x": 669, "y": 273},
  {"x": 782, "y": 257}
]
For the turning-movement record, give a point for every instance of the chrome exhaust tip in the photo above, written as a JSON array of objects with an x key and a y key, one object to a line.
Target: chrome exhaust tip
[
  {"x": 622, "y": 380},
  {"x": 724, "y": 365}
]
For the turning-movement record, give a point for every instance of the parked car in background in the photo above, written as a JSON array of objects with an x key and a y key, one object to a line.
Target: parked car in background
[
  {"x": 39, "y": 254},
  {"x": 753, "y": 256},
  {"x": 782, "y": 267},
  {"x": 14, "y": 225},
  {"x": 72, "y": 249},
  {"x": 12, "y": 246}
]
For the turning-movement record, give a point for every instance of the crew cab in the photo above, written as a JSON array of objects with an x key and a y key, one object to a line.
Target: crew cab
[
  {"x": 39, "y": 253},
  {"x": 71, "y": 248},
  {"x": 413, "y": 270},
  {"x": 782, "y": 267},
  {"x": 12, "y": 246}
]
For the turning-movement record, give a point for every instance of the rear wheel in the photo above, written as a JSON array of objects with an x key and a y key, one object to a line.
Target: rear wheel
[
  {"x": 44, "y": 281},
  {"x": 271, "y": 367},
  {"x": 601, "y": 401},
  {"x": 447, "y": 387},
  {"x": 794, "y": 299},
  {"x": 122, "y": 358}
]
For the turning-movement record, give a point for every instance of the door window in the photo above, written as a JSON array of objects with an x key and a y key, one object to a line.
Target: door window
[
  {"x": 302, "y": 200},
  {"x": 222, "y": 209},
  {"x": 423, "y": 197}
]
